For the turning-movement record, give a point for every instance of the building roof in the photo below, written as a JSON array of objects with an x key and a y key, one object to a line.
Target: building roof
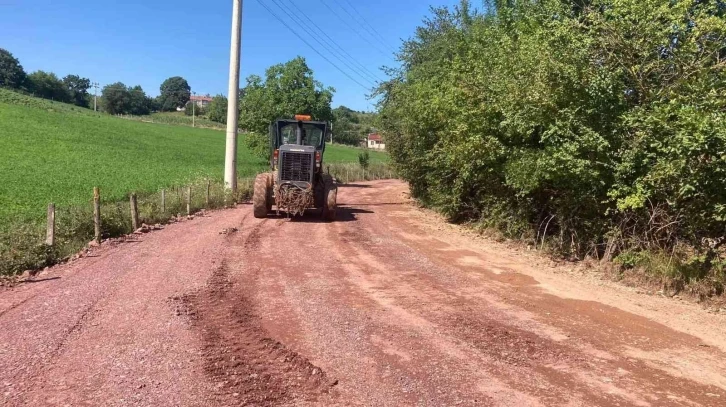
[
  {"x": 201, "y": 98},
  {"x": 375, "y": 137}
]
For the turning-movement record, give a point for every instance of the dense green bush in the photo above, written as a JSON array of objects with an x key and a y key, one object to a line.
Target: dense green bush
[
  {"x": 217, "y": 109},
  {"x": 597, "y": 126},
  {"x": 258, "y": 144},
  {"x": 192, "y": 108},
  {"x": 364, "y": 159}
]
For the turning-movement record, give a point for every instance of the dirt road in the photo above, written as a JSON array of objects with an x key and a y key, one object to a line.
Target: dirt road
[{"x": 388, "y": 306}]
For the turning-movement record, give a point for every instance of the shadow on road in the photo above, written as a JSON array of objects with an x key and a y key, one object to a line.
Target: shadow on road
[
  {"x": 375, "y": 204},
  {"x": 343, "y": 214},
  {"x": 353, "y": 186},
  {"x": 33, "y": 281}
]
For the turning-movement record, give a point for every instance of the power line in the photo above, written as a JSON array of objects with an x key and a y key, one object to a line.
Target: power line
[
  {"x": 363, "y": 37},
  {"x": 309, "y": 45},
  {"x": 372, "y": 30},
  {"x": 365, "y": 24},
  {"x": 362, "y": 67},
  {"x": 322, "y": 44}
]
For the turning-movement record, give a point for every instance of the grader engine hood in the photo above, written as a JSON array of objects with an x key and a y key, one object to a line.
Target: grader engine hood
[{"x": 296, "y": 165}]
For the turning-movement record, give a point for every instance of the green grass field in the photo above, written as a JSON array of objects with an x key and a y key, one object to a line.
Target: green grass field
[
  {"x": 52, "y": 152},
  {"x": 178, "y": 119}
]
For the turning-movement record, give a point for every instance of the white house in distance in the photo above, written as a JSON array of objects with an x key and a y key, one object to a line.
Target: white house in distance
[
  {"x": 201, "y": 101},
  {"x": 375, "y": 141}
]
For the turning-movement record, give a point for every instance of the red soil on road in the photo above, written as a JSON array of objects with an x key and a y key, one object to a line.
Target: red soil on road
[{"x": 386, "y": 306}]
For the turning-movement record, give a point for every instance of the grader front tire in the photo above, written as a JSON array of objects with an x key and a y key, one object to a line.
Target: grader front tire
[{"x": 261, "y": 196}]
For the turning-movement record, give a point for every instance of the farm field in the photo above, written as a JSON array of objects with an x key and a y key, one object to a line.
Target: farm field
[
  {"x": 52, "y": 152},
  {"x": 178, "y": 119}
]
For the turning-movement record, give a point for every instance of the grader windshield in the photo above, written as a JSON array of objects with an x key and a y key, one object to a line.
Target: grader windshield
[{"x": 311, "y": 135}]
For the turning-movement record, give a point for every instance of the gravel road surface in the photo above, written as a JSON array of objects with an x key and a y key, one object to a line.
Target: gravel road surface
[{"x": 388, "y": 306}]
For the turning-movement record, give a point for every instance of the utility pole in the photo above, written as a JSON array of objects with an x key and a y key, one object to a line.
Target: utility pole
[
  {"x": 95, "y": 96},
  {"x": 230, "y": 160},
  {"x": 194, "y": 106}
]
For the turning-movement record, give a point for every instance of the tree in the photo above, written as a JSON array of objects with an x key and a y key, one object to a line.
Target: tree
[
  {"x": 175, "y": 92},
  {"x": 351, "y": 127},
  {"x": 47, "y": 85},
  {"x": 12, "y": 74},
  {"x": 77, "y": 89},
  {"x": 115, "y": 98},
  {"x": 192, "y": 108},
  {"x": 599, "y": 125},
  {"x": 139, "y": 104},
  {"x": 287, "y": 89},
  {"x": 154, "y": 104},
  {"x": 257, "y": 143},
  {"x": 217, "y": 109}
]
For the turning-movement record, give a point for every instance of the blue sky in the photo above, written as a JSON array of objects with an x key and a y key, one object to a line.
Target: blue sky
[{"x": 144, "y": 42}]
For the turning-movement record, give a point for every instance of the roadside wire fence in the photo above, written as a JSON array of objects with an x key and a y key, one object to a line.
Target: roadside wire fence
[{"x": 35, "y": 244}]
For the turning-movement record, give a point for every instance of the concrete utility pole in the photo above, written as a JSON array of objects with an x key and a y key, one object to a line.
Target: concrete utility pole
[
  {"x": 230, "y": 160},
  {"x": 95, "y": 96},
  {"x": 194, "y": 103}
]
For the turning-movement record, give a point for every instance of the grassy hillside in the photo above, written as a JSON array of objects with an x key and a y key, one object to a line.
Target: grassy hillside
[
  {"x": 52, "y": 152},
  {"x": 178, "y": 119}
]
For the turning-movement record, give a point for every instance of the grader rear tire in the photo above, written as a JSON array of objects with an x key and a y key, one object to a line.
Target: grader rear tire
[
  {"x": 261, "y": 196},
  {"x": 331, "y": 197}
]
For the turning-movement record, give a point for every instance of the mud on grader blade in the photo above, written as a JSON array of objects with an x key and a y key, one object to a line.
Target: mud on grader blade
[{"x": 296, "y": 181}]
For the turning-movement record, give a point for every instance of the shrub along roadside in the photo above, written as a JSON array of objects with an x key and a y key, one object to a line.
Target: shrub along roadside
[
  {"x": 22, "y": 245},
  {"x": 591, "y": 128}
]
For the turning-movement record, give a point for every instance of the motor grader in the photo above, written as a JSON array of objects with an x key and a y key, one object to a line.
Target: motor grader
[{"x": 296, "y": 181}]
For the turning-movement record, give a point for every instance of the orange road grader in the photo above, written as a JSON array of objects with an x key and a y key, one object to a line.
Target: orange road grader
[{"x": 296, "y": 181}]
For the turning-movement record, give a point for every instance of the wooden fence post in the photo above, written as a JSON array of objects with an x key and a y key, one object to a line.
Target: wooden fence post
[
  {"x": 97, "y": 214},
  {"x": 134, "y": 213},
  {"x": 209, "y": 185},
  {"x": 50, "y": 234},
  {"x": 163, "y": 201},
  {"x": 189, "y": 200}
]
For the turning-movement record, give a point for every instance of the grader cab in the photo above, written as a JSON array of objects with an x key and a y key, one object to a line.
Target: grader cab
[{"x": 296, "y": 181}]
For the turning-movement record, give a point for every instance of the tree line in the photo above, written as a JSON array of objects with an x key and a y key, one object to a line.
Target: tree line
[
  {"x": 595, "y": 126},
  {"x": 70, "y": 89},
  {"x": 115, "y": 98},
  {"x": 352, "y": 127},
  {"x": 287, "y": 89}
]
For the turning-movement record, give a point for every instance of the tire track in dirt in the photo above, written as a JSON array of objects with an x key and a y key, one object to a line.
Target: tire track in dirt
[
  {"x": 401, "y": 309},
  {"x": 604, "y": 374},
  {"x": 98, "y": 331},
  {"x": 247, "y": 366},
  {"x": 525, "y": 354},
  {"x": 493, "y": 351}
]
